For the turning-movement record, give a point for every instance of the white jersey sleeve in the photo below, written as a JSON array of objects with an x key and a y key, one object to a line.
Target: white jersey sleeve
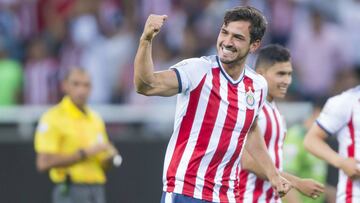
[
  {"x": 336, "y": 113},
  {"x": 190, "y": 72},
  {"x": 264, "y": 89}
]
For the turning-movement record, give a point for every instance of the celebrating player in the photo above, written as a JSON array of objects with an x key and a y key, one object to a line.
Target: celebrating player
[
  {"x": 340, "y": 117},
  {"x": 219, "y": 98}
]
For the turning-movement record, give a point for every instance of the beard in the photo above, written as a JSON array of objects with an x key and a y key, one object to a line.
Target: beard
[{"x": 239, "y": 58}]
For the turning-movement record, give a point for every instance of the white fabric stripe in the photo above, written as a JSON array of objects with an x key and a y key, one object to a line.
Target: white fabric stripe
[
  {"x": 250, "y": 186},
  {"x": 170, "y": 151},
  {"x": 199, "y": 116},
  {"x": 213, "y": 142},
  {"x": 282, "y": 131},
  {"x": 341, "y": 187}
]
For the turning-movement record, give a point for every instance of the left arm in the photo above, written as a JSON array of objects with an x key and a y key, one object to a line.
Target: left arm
[
  {"x": 256, "y": 147},
  {"x": 307, "y": 187}
]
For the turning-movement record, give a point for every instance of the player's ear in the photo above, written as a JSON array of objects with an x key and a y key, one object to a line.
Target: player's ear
[
  {"x": 260, "y": 70},
  {"x": 254, "y": 46}
]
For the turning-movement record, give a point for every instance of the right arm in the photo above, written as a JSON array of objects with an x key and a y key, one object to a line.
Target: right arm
[
  {"x": 315, "y": 143},
  {"x": 148, "y": 82},
  {"x": 45, "y": 161}
]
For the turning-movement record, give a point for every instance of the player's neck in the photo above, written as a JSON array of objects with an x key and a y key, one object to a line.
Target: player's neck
[{"x": 234, "y": 70}]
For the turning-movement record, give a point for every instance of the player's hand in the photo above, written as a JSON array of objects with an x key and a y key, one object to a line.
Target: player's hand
[
  {"x": 96, "y": 148},
  {"x": 152, "y": 26},
  {"x": 280, "y": 185},
  {"x": 112, "y": 151},
  {"x": 310, "y": 188},
  {"x": 350, "y": 168}
]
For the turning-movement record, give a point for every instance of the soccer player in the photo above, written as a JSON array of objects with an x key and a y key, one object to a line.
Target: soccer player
[
  {"x": 219, "y": 98},
  {"x": 340, "y": 117},
  {"x": 274, "y": 64}
]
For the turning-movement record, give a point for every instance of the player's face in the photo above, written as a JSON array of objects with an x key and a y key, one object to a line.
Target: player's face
[
  {"x": 78, "y": 87},
  {"x": 233, "y": 43},
  {"x": 279, "y": 78}
]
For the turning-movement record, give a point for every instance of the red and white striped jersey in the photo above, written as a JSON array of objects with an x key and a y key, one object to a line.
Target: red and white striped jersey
[
  {"x": 272, "y": 126},
  {"x": 341, "y": 117},
  {"x": 213, "y": 116}
]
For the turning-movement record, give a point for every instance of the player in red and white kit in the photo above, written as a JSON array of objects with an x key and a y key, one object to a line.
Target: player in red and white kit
[
  {"x": 219, "y": 98},
  {"x": 340, "y": 117},
  {"x": 274, "y": 64}
]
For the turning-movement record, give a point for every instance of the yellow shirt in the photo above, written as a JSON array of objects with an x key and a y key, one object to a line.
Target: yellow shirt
[{"x": 64, "y": 129}]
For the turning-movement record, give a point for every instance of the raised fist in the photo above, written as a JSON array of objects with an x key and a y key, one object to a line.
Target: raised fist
[{"x": 152, "y": 26}]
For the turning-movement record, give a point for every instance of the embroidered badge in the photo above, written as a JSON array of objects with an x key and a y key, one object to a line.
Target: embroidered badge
[{"x": 249, "y": 98}]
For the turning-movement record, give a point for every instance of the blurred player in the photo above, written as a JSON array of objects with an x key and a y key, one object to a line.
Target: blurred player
[
  {"x": 274, "y": 64},
  {"x": 301, "y": 163},
  {"x": 340, "y": 117},
  {"x": 71, "y": 142},
  {"x": 219, "y": 98}
]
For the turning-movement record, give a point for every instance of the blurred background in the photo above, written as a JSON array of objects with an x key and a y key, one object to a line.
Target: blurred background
[{"x": 40, "y": 39}]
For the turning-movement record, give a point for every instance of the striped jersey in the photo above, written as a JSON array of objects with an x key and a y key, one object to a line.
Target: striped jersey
[
  {"x": 341, "y": 117},
  {"x": 272, "y": 126},
  {"x": 213, "y": 116}
]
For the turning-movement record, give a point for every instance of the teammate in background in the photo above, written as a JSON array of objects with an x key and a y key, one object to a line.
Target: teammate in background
[
  {"x": 72, "y": 143},
  {"x": 219, "y": 98},
  {"x": 340, "y": 117},
  {"x": 274, "y": 64}
]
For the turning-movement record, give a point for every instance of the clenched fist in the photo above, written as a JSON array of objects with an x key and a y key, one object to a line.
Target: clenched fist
[{"x": 152, "y": 26}]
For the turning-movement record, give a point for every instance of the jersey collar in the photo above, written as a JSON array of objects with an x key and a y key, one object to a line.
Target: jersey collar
[
  {"x": 72, "y": 109},
  {"x": 227, "y": 76}
]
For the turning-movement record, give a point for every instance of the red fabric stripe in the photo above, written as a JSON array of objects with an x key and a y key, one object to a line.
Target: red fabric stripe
[
  {"x": 269, "y": 195},
  {"x": 276, "y": 148},
  {"x": 183, "y": 136},
  {"x": 242, "y": 186},
  {"x": 204, "y": 135},
  {"x": 351, "y": 153},
  {"x": 268, "y": 130},
  {"x": 224, "y": 142},
  {"x": 249, "y": 116},
  {"x": 258, "y": 190}
]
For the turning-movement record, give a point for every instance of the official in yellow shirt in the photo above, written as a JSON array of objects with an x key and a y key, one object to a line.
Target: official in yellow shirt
[{"x": 71, "y": 142}]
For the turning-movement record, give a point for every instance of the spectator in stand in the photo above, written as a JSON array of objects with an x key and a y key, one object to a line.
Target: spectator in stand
[{"x": 41, "y": 82}]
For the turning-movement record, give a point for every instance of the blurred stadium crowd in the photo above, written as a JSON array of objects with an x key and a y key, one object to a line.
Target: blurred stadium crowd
[{"x": 40, "y": 39}]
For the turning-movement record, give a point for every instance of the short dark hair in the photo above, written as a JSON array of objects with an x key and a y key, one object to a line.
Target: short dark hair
[
  {"x": 72, "y": 70},
  {"x": 271, "y": 54},
  {"x": 250, "y": 14}
]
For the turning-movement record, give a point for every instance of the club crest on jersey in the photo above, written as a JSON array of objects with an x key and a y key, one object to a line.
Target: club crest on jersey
[{"x": 250, "y": 99}]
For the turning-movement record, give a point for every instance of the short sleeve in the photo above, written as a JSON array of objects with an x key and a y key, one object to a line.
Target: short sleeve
[
  {"x": 190, "y": 72},
  {"x": 47, "y": 137},
  {"x": 335, "y": 114}
]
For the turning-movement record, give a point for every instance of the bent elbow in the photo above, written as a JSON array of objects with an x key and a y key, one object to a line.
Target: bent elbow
[{"x": 142, "y": 91}]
